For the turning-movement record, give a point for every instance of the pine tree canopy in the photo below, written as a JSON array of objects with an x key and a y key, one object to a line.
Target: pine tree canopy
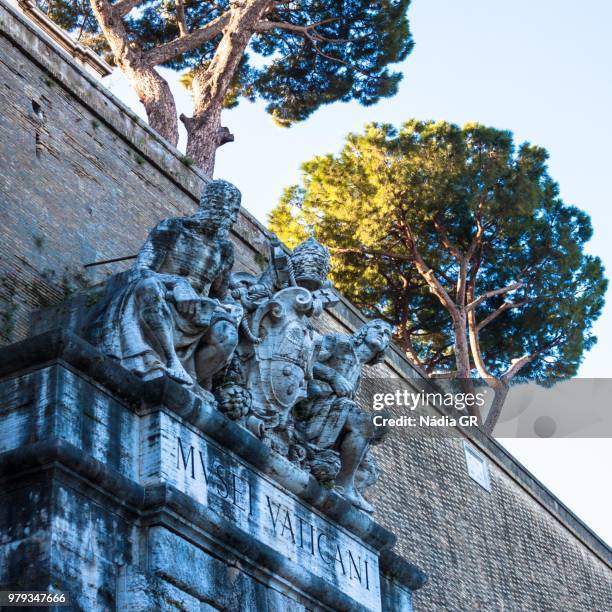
[
  {"x": 301, "y": 55},
  {"x": 450, "y": 231}
]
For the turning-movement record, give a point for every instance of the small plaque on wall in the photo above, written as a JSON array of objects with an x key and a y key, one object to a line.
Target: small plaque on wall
[{"x": 477, "y": 466}]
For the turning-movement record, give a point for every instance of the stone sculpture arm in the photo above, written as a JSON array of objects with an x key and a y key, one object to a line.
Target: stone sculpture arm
[
  {"x": 220, "y": 286},
  {"x": 322, "y": 371},
  {"x": 153, "y": 251}
]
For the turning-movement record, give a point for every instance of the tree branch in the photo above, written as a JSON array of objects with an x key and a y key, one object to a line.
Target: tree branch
[
  {"x": 443, "y": 375},
  {"x": 405, "y": 342},
  {"x": 505, "y": 306},
  {"x": 518, "y": 364},
  {"x": 443, "y": 236},
  {"x": 265, "y": 26},
  {"x": 433, "y": 361},
  {"x": 462, "y": 259},
  {"x": 428, "y": 274},
  {"x": 123, "y": 7},
  {"x": 405, "y": 338},
  {"x": 168, "y": 51},
  {"x": 114, "y": 31},
  {"x": 485, "y": 296},
  {"x": 372, "y": 252},
  {"x": 180, "y": 17},
  {"x": 477, "y": 241},
  {"x": 475, "y": 349},
  {"x": 338, "y": 60},
  {"x": 309, "y": 33}
]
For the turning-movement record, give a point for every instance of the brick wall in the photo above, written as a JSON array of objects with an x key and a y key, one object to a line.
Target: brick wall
[{"x": 83, "y": 179}]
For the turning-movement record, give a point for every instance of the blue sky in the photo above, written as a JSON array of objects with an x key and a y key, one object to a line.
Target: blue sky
[{"x": 541, "y": 68}]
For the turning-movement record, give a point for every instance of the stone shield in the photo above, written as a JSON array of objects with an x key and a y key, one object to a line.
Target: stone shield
[
  {"x": 290, "y": 364},
  {"x": 282, "y": 360}
]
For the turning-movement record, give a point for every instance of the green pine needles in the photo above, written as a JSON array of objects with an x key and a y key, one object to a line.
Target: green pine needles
[{"x": 460, "y": 239}]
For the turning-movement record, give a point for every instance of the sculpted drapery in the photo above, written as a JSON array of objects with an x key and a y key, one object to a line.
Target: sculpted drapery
[
  {"x": 169, "y": 315},
  {"x": 247, "y": 342}
]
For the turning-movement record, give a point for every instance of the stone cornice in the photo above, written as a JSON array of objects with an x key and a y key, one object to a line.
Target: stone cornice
[
  {"x": 164, "y": 505},
  {"x": 82, "y": 53},
  {"x": 164, "y": 394}
]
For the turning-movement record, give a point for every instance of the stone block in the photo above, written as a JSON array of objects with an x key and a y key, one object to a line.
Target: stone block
[
  {"x": 256, "y": 505},
  {"x": 53, "y": 402},
  {"x": 140, "y": 496}
]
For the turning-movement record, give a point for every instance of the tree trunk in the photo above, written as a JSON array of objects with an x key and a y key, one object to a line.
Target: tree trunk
[
  {"x": 204, "y": 136},
  {"x": 462, "y": 352},
  {"x": 151, "y": 88},
  {"x": 155, "y": 95},
  {"x": 462, "y": 358},
  {"x": 501, "y": 392},
  {"x": 204, "y": 131}
]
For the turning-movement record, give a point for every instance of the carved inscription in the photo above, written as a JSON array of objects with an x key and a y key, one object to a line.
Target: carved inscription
[
  {"x": 258, "y": 506},
  {"x": 287, "y": 524},
  {"x": 220, "y": 480}
]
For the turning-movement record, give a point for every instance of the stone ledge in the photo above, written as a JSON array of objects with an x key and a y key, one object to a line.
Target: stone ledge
[
  {"x": 78, "y": 355},
  {"x": 80, "y": 52},
  {"x": 164, "y": 505},
  {"x": 58, "y": 345},
  {"x": 401, "y": 571},
  {"x": 54, "y": 451}
]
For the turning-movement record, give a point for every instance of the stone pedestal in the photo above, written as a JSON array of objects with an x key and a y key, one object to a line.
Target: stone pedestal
[{"x": 136, "y": 495}]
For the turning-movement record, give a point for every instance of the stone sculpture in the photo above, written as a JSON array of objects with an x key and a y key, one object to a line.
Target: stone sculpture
[
  {"x": 274, "y": 357},
  {"x": 169, "y": 314},
  {"x": 335, "y": 431},
  {"x": 246, "y": 342}
]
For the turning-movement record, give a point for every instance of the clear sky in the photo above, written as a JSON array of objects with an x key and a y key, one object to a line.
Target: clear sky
[{"x": 541, "y": 68}]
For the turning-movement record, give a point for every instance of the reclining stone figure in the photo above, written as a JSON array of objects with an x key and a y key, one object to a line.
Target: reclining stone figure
[
  {"x": 169, "y": 314},
  {"x": 249, "y": 339},
  {"x": 336, "y": 432}
]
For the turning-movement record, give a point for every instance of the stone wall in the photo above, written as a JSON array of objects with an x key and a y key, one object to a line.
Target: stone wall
[
  {"x": 83, "y": 180},
  {"x": 142, "y": 496}
]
